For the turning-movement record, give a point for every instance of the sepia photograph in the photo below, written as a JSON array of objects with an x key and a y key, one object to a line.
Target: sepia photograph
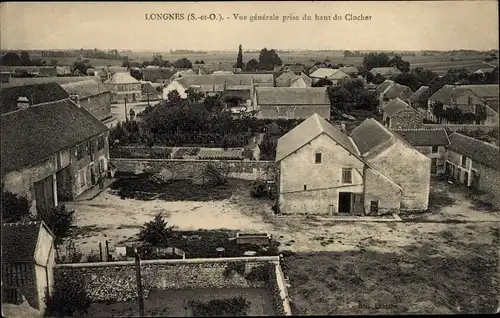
[{"x": 249, "y": 158}]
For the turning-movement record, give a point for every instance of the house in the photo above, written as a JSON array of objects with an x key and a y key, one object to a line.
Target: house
[
  {"x": 123, "y": 86},
  {"x": 301, "y": 81},
  {"x": 373, "y": 171},
  {"x": 419, "y": 99},
  {"x": 240, "y": 84},
  {"x": 315, "y": 68},
  {"x": 382, "y": 87},
  {"x": 296, "y": 68},
  {"x": 286, "y": 79},
  {"x": 394, "y": 91},
  {"x": 350, "y": 70},
  {"x": 28, "y": 258},
  {"x": 386, "y": 72},
  {"x": 63, "y": 155},
  {"x": 334, "y": 75},
  {"x": 399, "y": 115},
  {"x": 92, "y": 95},
  {"x": 430, "y": 142},
  {"x": 34, "y": 94},
  {"x": 489, "y": 93},
  {"x": 459, "y": 104},
  {"x": 474, "y": 163},
  {"x": 291, "y": 103},
  {"x": 208, "y": 69}
]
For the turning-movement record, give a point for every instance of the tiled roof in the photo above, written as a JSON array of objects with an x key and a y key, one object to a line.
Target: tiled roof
[
  {"x": 37, "y": 94},
  {"x": 220, "y": 154},
  {"x": 122, "y": 78},
  {"x": 306, "y": 79},
  {"x": 20, "y": 81},
  {"x": 292, "y": 96},
  {"x": 370, "y": 134},
  {"x": 329, "y": 73},
  {"x": 307, "y": 131},
  {"x": 86, "y": 89},
  {"x": 385, "y": 71},
  {"x": 52, "y": 127},
  {"x": 395, "y": 106},
  {"x": 349, "y": 69},
  {"x": 398, "y": 90},
  {"x": 420, "y": 95},
  {"x": 383, "y": 86},
  {"x": 234, "y": 79},
  {"x": 424, "y": 137},
  {"x": 484, "y": 91},
  {"x": 449, "y": 93},
  {"x": 479, "y": 151},
  {"x": 19, "y": 241},
  {"x": 286, "y": 79}
]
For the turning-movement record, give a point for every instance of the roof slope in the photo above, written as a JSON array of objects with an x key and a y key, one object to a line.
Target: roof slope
[
  {"x": 20, "y": 81},
  {"x": 329, "y": 73},
  {"x": 86, "y": 89},
  {"x": 37, "y": 93},
  {"x": 479, "y": 151},
  {"x": 122, "y": 78},
  {"x": 286, "y": 79},
  {"x": 398, "y": 90},
  {"x": 396, "y": 106},
  {"x": 484, "y": 91},
  {"x": 369, "y": 135},
  {"x": 420, "y": 95},
  {"x": 383, "y": 86},
  {"x": 231, "y": 79},
  {"x": 307, "y": 131},
  {"x": 349, "y": 69},
  {"x": 424, "y": 137},
  {"x": 448, "y": 93},
  {"x": 385, "y": 71},
  {"x": 56, "y": 126},
  {"x": 292, "y": 96},
  {"x": 19, "y": 241},
  {"x": 304, "y": 77}
]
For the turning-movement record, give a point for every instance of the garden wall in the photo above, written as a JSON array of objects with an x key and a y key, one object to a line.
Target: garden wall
[
  {"x": 108, "y": 281},
  {"x": 468, "y": 128},
  {"x": 189, "y": 168}
]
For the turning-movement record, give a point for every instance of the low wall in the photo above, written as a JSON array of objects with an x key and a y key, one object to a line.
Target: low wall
[
  {"x": 189, "y": 168},
  {"x": 468, "y": 128},
  {"x": 117, "y": 280}
]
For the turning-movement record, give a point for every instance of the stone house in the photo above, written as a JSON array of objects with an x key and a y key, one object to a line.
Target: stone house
[
  {"x": 291, "y": 103},
  {"x": 463, "y": 99},
  {"x": 123, "y": 86},
  {"x": 474, "y": 163},
  {"x": 393, "y": 91},
  {"x": 301, "y": 81},
  {"x": 386, "y": 72},
  {"x": 373, "y": 171},
  {"x": 419, "y": 99},
  {"x": 91, "y": 95},
  {"x": 62, "y": 156},
  {"x": 28, "y": 258},
  {"x": 399, "y": 115},
  {"x": 334, "y": 75},
  {"x": 430, "y": 142}
]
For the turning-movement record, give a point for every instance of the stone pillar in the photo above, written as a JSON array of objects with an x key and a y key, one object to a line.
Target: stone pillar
[{"x": 54, "y": 183}]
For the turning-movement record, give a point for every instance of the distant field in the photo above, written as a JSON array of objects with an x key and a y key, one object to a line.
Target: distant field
[{"x": 435, "y": 63}]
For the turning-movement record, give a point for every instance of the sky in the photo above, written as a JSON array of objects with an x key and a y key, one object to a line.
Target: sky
[{"x": 394, "y": 25}]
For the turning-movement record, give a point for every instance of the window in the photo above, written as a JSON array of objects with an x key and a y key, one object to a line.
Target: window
[
  {"x": 100, "y": 143},
  {"x": 81, "y": 176},
  {"x": 80, "y": 152},
  {"x": 435, "y": 149},
  {"x": 318, "y": 157},
  {"x": 374, "y": 206},
  {"x": 305, "y": 187},
  {"x": 101, "y": 165},
  {"x": 347, "y": 175},
  {"x": 464, "y": 160}
]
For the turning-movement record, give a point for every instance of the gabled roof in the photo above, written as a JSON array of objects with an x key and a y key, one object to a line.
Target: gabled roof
[
  {"x": 304, "y": 77},
  {"x": 229, "y": 80},
  {"x": 307, "y": 131},
  {"x": 484, "y": 91},
  {"x": 383, "y": 86},
  {"x": 121, "y": 78},
  {"x": 52, "y": 127},
  {"x": 420, "y": 95},
  {"x": 329, "y": 73},
  {"x": 385, "y": 71},
  {"x": 286, "y": 79},
  {"x": 349, "y": 69},
  {"x": 479, "y": 151},
  {"x": 37, "y": 94},
  {"x": 396, "y": 106},
  {"x": 85, "y": 89},
  {"x": 19, "y": 241},
  {"x": 425, "y": 137},
  {"x": 292, "y": 96},
  {"x": 398, "y": 90},
  {"x": 370, "y": 134},
  {"x": 449, "y": 93}
]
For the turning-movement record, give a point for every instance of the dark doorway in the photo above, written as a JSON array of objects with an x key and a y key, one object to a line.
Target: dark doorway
[
  {"x": 92, "y": 175},
  {"x": 345, "y": 202},
  {"x": 44, "y": 194},
  {"x": 434, "y": 165}
]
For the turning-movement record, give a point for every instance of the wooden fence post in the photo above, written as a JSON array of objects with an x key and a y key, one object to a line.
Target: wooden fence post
[{"x": 139, "y": 283}]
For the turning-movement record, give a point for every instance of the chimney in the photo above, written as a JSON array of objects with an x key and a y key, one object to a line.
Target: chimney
[
  {"x": 74, "y": 98},
  {"x": 23, "y": 102},
  {"x": 342, "y": 128}
]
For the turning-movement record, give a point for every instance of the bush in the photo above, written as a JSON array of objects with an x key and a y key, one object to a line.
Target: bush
[
  {"x": 69, "y": 297},
  {"x": 156, "y": 232},
  {"x": 14, "y": 208},
  {"x": 237, "y": 306},
  {"x": 59, "y": 220},
  {"x": 238, "y": 267}
]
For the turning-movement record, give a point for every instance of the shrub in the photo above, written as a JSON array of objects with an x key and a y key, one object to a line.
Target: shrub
[
  {"x": 259, "y": 273},
  {"x": 238, "y": 267},
  {"x": 156, "y": 232},
  {"x": 69, "y": 297},
  {"x": 14, "y": 207},
  {"x": 237, "y": 306},
  {"x": 59, "y": 220}
]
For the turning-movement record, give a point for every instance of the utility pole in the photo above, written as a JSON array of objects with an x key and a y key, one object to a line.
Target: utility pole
[
  {"x": 126, "y": 118},
  {"x": 139, "y": 283}
]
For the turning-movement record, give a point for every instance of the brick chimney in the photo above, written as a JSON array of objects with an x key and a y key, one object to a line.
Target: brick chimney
[{"x": 23, "y": 102}]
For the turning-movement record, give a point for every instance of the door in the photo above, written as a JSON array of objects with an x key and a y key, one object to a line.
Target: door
[
  {"x": 433, "y": 165},
  {"x": 466, "y": 178},
  {"x": 92, "y": 175},
  {"x": 345, "y": 202},
  {"x": 44, "y": 194}
]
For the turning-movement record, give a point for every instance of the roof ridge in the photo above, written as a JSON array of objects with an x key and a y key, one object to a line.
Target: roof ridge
[
  {"x": 21, "y": 223},
  {"x": 477, "y": 140}
]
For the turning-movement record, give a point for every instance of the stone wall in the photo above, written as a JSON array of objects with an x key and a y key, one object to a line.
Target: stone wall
[
  {"x": 187, "y": 169},
  {"x": 117, "y": 280},
  {"x": 468, "y": 128}
]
